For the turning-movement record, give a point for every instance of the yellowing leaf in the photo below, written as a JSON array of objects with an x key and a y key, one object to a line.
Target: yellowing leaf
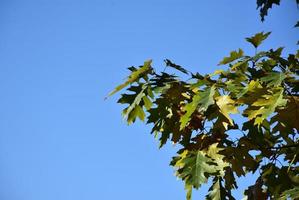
[
  {"x": 147, "y": 102},
  {"x": 265, "y": 106},
  {"x": 213, "y": 152},
  {"x": 252, "y": 93},
  {"x": 140, "y": 113},
  {"x": 215, "y": 191},
  {"x": 227, "y": 106}
]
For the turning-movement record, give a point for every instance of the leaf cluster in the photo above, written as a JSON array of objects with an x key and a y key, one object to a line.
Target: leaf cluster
[{"x": 227, "y": 124}]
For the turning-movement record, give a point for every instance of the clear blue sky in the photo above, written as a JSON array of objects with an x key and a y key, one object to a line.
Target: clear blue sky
[{"x": 59, "y": 140}]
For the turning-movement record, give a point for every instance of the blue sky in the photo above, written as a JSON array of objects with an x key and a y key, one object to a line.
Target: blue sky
[{"x": 59, "y": 139}]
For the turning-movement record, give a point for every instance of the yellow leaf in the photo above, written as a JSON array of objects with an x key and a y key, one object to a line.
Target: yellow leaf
[{"x": 227, "y": 106}]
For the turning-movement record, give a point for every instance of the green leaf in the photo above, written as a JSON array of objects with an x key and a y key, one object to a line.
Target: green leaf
[
  {"x": 188, "y": 188},
  {"x": 135, "y": 75},
  {"x": 274, "y": 78},
  {"x": 234, "y": 55},
  {"x": 258, "y": 38},
  {"x": 136, "y": 102},
  {"x": 218, "y": 159},
  {"x": 194, "y": 167},
  {"x": 166, "y": 114},
  {"x": 196, "y": 114},
  {"x": 252, "y": 92},
  {"x": 277, "y": 180},
  {"x": 240, "y": 65},
  {"x": 175, "y": 66},
  {"x": 139, "y": 112},
  {"x": 216, "y": 72},
  {"x": 147, "y": 102},
  {"x": 215, "y": 191},
  {"x": 291, "y": 193},
  {"x": 218, "y": 192},
  {"x": 265, "y": 106},
  {"x": 201, "y": 101}
]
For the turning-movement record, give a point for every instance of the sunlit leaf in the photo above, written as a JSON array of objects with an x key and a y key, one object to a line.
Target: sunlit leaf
[
  {"x": 234, "y": 55},
  {"x": 134, "y": 76},
  {"x": 201, "y": 101},
  {"x": 260, "y": 92},
  {"x": 265, "y": 106},
  {"x": 227, "y": 106},
  {"x": 274, "y": 78},
  {"x": 258, "y": 38}
]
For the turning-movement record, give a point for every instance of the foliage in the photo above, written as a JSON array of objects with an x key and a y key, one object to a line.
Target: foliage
[
  {"x": 265, "y": 5},
  {"x": 227, "y": 124}
]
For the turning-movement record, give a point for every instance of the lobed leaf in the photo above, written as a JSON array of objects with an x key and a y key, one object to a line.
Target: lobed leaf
[
  {"x": 175, "y": 66},
  {"x": 258, "y": 38},
  {"x": 135, "y": 75},
  {"x": 291, "y": 193},
  {"x": 227, "y": 106},
  {"x": 274, "y": 78},
  {"x": 234, "y": 55},
  {"x": 265, "y": 106},
  {"x": 201, "y": 101}
]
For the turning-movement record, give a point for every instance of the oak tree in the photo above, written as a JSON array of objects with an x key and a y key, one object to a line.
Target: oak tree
[{"x": 227, "y": 124}]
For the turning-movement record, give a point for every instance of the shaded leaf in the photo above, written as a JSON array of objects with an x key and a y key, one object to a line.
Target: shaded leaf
[
  {"x": 289, "y": 115},
  {"x": 264, "y": 6},
  {"x": 291, "y": 193},
  {"x": 255, "y": 192},
  {"x": 276, "y": 179},
  {"x": 166, "y": 114},
  {"x": 175, "y": 66}
]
